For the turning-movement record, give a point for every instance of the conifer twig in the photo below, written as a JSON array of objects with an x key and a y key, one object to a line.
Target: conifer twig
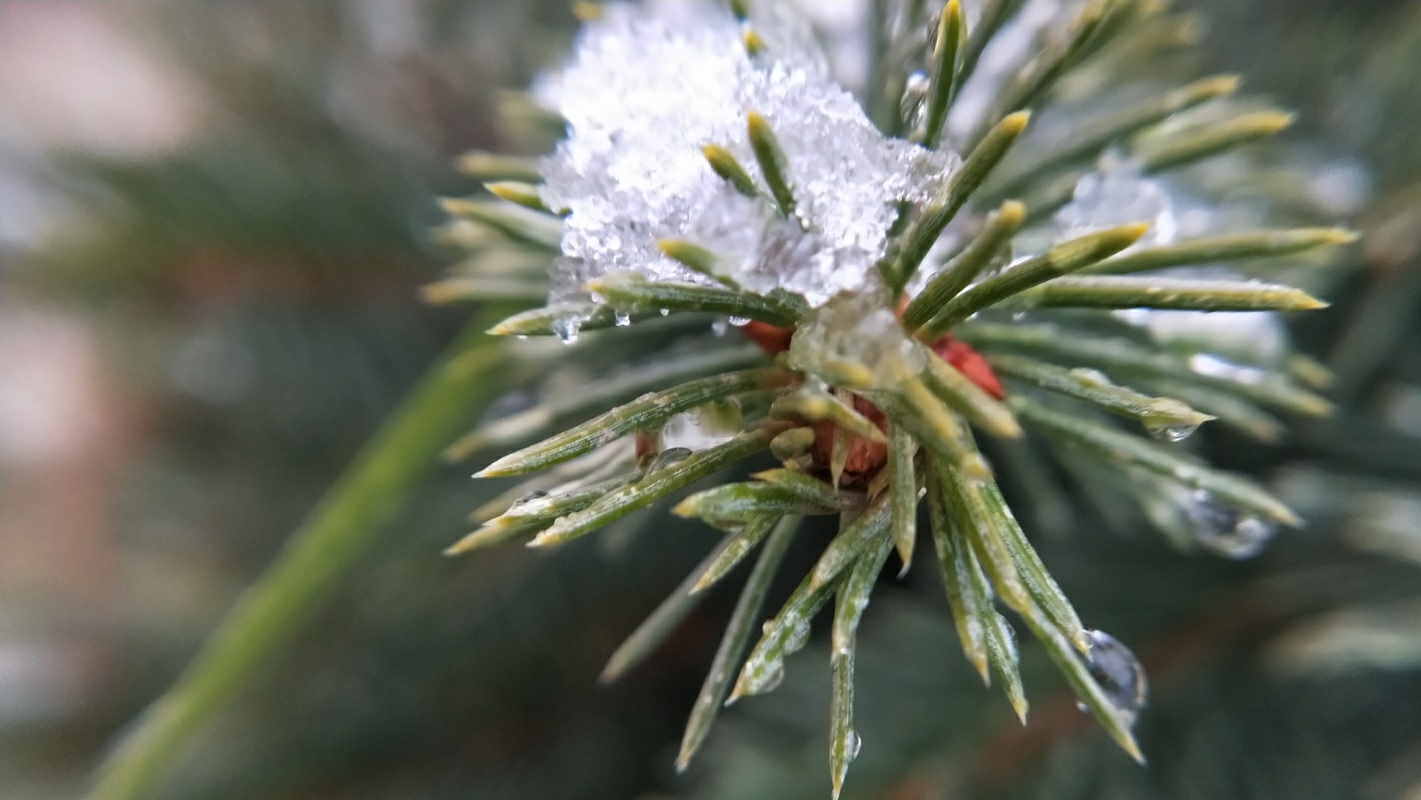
[{"x": 347, "y": 522}]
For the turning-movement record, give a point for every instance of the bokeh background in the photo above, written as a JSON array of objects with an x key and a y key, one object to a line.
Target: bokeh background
[{"x": 214, "y": 222}]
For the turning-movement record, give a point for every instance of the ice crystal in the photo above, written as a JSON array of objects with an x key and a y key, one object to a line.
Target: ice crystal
[{"x": 645, "y": 92}]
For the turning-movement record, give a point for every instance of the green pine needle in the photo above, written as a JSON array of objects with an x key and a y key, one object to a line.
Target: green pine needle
[
  {"x": 950, "y": 39},
  {"x": 726, "y": 166},
  {"x": 645, "y": 411},
  {"x": 632, "y": 292},
  {"x": 974, "y": 170},
  {"x": 774, "y": 167},
  {"x": 738, "y": 634}
]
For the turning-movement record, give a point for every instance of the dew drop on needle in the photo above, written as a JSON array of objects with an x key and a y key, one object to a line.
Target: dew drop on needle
[{"x": 1118, "y": 673}]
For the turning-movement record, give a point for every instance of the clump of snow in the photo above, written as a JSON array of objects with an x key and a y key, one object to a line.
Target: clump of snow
[
  {"x": 649, "y": 86},
  {"x": 1117, "y": 193}
]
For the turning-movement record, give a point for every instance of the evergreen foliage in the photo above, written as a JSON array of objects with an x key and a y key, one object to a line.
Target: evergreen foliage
[{"x": 987, "y": 404}]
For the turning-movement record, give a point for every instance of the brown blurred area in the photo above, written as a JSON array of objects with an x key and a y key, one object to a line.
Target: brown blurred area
[{"x": 71, "y": 76}]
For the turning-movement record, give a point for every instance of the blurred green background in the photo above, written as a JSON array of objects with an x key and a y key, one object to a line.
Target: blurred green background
[{"x": 214, "y": 220}]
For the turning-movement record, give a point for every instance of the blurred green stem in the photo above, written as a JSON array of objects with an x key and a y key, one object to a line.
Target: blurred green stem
[{"x": 348, "y": 520}]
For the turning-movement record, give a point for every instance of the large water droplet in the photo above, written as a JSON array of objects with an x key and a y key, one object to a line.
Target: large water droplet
[
  {"x": 536, "y": 494},
  {"x": 1117, "y": 671},
  {"x": 667, "y": 457},
  {"x": 768, "y": 677},
  {"x": 1167, "y": 432},
  {"x": 1224, "y": 529},
  {"x": 798, "y": 638},
  {"x": 853, "y": 743},
  {"x": 913, "y": 105}
]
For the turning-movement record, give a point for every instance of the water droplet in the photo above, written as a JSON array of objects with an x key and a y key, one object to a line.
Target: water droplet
[
  {"x": 622, "y": 319},
  {"x": 566, "y": 328},
  {"x": 720, "y": 327},
  {"x": 1224, "y": 529},
  {"x": 667, "y": 457},
  {"x": 853, "y": 743},
  {"x": 1009, "y": 640},
  {"x": 665, "y": 311},
  {"x": 738, "y": 322},
  {"x": 1090, "y": 377},
  {"x": 1168, "y": 432},
  {"x": 798, "y": 638},
  {"x": 1117, "y": 671},
  {"x": 913, "y": 105},
  {"x": 767, "y": 678}
]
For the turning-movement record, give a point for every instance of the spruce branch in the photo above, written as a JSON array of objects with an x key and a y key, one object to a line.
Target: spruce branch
[
  {"x": 886, "y": 286},
  {"x": 883, "y": 372},
  {"x": 349, "y": 520},
  {"x": 887, "y": 360}
]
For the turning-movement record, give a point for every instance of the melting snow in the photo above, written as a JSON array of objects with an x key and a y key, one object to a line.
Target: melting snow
[
  {"x": 856, "y": 331},
  {"x": 649, "y": 86}
]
